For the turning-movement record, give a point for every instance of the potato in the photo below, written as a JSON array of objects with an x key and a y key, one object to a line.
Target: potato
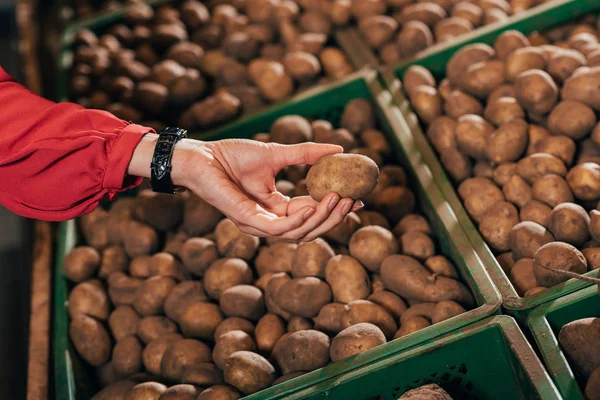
[
  {"x": 561, "y": 147},
  {"x": 526, "y": 238},
  {"x": 139, "y": 239},
  {"x": 370, "y": 245},
  {"x": 557, "y": 256},
  {"x": 468, "y": 11},
  {"x": 377, "y": 29},
  {"x": 584, "y": 180},
  {"x": 412, "y": 222},
  {"x": 522, "y": 276},
  {"x": 180, "y": 392},
  {"x": 358, "y": 116},
  {"x": 445, "y": 310},
  {"x": 523, "y": 60},
  {"x": 268, "y": 330},
  {"x": 165, "y": 265},
  {"x": 151, "y": 296},
  {"x": 395, "y": 202},
  {"x": 373, "y": 139},
  {"x": 182, "y": 295},
  {"x": 347, "y": 278},
  {"x": 366, "y": 311},
  {"x": 122, "y": 289},
  {"x": 127, "y": 356},
  {"x": 310, "y": 259},
  {"x": 408, "y": 278},
  {"x": 462, "y": 59},
  {"x": 472, "y": 133},
  {"x": 197, "y": 254},
  {"x": 146, "y": 390},
  {"x": 88, "y": 298},
  {"x": 594, "y": 224},
  {"x": 517, "y": 191},
  {"x": 224, "y": 274},
  {"x": 153, "y": 327},
  {"x": 334, "y": 62},
  {"x": 248, "y": 372},
  {"x": 219, "y": 392},
  {"x": 504, "y": 90},
  {"x": 508, "y": 42},
  {"x": 441, "y": 133},
  {"x": 552, "y": 190},
  {"x": 449, "y": 28},
  {"x": 482, "y": 78},
  {"x": 115, "y": 391},
  {"x": 200, "y": 320},
  {"x": 481, "y": 200},
  {"x": 203, "y": 375},
  {"x": 271, "y": 78},
  {"x": 369, "y": 153},
  {"x": 412, "y": 325},
  {"x": 303, "y": 297},
  {"x": 430, "y": 391},
  {"x": 304, "y": 350},
  {"x": 536, "y": 91},
  {"x": 215, "y": 109},
  {"x": 114, "y": 259},
  {"x": 579, "y": 87},
  {"x": 537, "y": 165},
  {"x": 153, "y": 352},
  {"x": 425, "y": 310},
  {"x": 503, "y": 173},
  {"x": 199, "y": 217},
  {"x": 460, "y": 103},
  {"x": 427, "y": 103},
  {"x": 343, "y": 232},
  {"x": 275, "y": 283},
  {"x": 391, "y": 302},
  {"x": 329, "y": 318},
  {"x": 562, "y": 64},
  {"x": 440, "y": 265},
  {"x": 81, "y": 263},
  {"x": 577, "y": 339},
  {"x": 291, "y": 129},
  {"x": 416, "y": 244},
  {"x": 416, "y": 76},
  {"x": 506, "y": 261},
  {"x": 429, "y": 13},
  {"x": 181, "y": 354},
  {"x": 123, "y": 321},
  {"x": 569, "y": 223},
  {"x": 354, "y": 340},
  {"x": 592, "y": 256},
  {"x": 571, "y": 118},
  {"x": 497, "y": 223},
  {"x": 275, "y": 258},
  {"x": 456, "y": 163},
  {"x": 243, "y": 301},
  {"x": 334, "y": 173},
  {"x": 229, "y": 343},
  {"x": 90, "y": 339}
]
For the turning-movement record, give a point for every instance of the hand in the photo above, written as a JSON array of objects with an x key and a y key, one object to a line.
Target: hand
[{"x": 238, "y": 177}]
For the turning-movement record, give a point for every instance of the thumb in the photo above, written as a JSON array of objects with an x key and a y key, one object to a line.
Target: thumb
[{"x": 304, "y": 153}]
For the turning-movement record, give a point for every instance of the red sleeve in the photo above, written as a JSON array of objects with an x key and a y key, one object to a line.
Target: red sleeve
[{"x": 58, "y": 161}]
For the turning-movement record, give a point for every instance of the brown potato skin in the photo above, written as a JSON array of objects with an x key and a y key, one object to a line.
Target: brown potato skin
[
  {"x": 390, "y": 301},
  {"x": 329, "y": 318},
  {"x": 416, "y": 244},
  {"x": 248, "y": 372},
  {"x": 90, "y": 339},
  {"x": 245, "y": 301},
  {"x": 577, "y": 340},
  {"x": 354, "y": 340},
  {"x": 153, "y": 327},
  {"x": 371, "y": 244},
  {"x": 522, "y": 276},
  {"x": 310, "y": 259},
  {"x": 81, "y": 263},
  {"x": 229, "y": 343},
  {"x": 347, "y": 278},
  {"x": 200, "y": 320},
  {"x": 366, "y": 311},
  {"x": 88, "y": 298},
  {"x": 412, "y": 325},
  {"x": 557, "y": 256},
  {"x": 146, "y": 390},
  {"x": 153, "y": 352},
  {"x": 334, "y": 173},
  {"x": 277, "y": 257},
  {"x": 225, "y": 273},
  {"x": 127, "y": 356},
  {"x": 268, "y": 331},
  {"x": 526, "y": 238},
  {"x": 304, "y": 350},
  {"x": 303, "y": 297},
  {"x": 183, "y": 353},
  {"x": 123, "y": 321},
  {"x": 569, "y": 223}
]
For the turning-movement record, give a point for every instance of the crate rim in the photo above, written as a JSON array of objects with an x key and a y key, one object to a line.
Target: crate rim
[
  {"x": 555, "y": 360},
  {"x": 489, "y": 303},
  {"x": 520, "y": 307},
  {"x": 510, "y": 329}
]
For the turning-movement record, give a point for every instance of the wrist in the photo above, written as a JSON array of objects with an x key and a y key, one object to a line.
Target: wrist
[{"x": 182, "y": 161}]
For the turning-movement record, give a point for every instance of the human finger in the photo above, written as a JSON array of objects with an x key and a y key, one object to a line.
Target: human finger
[
  {"x": 322, "y": 213},
  {"x": 303, "y": 153},
  {"x": 335, "y": 218}
]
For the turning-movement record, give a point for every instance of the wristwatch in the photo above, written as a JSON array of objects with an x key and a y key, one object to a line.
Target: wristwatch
[{"x": 160, "y": 168}]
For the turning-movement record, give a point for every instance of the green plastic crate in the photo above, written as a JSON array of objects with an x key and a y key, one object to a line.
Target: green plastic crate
[
  {"x": 545, "y": 323},
  {"x": 541, "y": 18},
  {"x": 489, "y": 360},
  {"x": 102, "y": 22},
  {"x": 73, "y": 380}
]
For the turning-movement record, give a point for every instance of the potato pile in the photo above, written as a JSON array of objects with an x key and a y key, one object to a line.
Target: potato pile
[
  {"x": 196, "y": 67},
  {"x": 87, "y": 8},
  {"x": 579, "y": 339},
  {"x": 168, "y": 292},
  {"x": 399, "y": 29},
  {"x": 516, "y": 128}
]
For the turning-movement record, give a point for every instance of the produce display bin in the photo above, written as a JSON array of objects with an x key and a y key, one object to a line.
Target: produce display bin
[
  {"x": 488, "y": 360},
  {"x": 545, "y": 323},
  {"x": 543, "y": 17},
  {"x": 101, "y": 23},
  {"x": 74, "y": 381}
]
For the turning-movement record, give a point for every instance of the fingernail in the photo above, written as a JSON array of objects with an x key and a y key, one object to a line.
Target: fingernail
[
  {"x": 347, "y": 207},
  {"x": 308, "y": 213},
  {"x": 358, "y": 205},
  {"x": 333, "y": 202}
]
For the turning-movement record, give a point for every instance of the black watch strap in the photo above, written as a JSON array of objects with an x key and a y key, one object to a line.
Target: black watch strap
[{"x": 160, "y": 178}]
